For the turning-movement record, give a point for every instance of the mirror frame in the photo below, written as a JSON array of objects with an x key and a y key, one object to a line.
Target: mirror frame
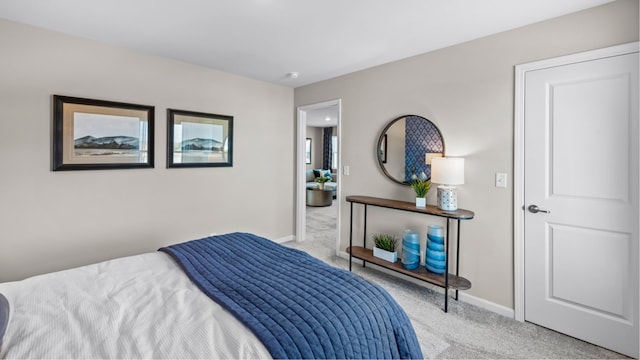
[{"x": 382, "y": 138}]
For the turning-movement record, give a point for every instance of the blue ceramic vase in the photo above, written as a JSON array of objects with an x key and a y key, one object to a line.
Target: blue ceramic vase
[
  {"x": 410, "y": 250},
  {"x": 435, "y": 256}
]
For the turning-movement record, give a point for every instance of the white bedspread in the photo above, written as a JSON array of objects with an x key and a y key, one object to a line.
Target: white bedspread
[{"x": 141, "y": 306}]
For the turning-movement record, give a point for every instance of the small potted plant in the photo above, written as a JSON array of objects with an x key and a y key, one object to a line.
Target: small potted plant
[
  {"x": 321, "y": 180},
  {"x": 385, "y": 247},
  {"x": 421, "y": 185}
]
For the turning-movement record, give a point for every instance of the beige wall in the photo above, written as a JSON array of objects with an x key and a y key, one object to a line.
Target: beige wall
[
  {"x": 467, "y": 91},
  {"x": 315, "y": 134},
  {"x": 54, "y": 220}
]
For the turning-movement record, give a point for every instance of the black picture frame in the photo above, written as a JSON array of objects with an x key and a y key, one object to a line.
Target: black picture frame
[
  {"x": 91, "y": 134},
  {"x": 207, "y": 141}
]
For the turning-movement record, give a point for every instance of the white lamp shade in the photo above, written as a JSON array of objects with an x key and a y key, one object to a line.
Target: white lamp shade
[{"x": 447, "y": 171}]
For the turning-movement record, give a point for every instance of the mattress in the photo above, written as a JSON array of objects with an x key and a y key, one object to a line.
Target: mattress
[{"x": 142, "y": 306}]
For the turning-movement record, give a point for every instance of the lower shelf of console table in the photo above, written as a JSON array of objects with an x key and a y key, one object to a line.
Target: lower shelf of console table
[{"x": 421, "y": 273}]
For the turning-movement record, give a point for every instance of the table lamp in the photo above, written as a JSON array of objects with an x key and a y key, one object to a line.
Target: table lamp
[{"x": 447, "y": 172}]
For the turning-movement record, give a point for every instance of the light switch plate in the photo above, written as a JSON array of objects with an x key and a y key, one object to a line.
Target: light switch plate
[
  {"x": 501, "y": 180},
  {"x": 345, "y": 170}
]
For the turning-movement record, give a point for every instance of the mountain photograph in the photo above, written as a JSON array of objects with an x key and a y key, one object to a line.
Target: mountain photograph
[
  {"x": 200, "y": 144},
  {"x": 107, "y": 142}
]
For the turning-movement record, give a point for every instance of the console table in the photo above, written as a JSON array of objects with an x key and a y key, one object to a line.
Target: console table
[{"x": 447, "y": 280}]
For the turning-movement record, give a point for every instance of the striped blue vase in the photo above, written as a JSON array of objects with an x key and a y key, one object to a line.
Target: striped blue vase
[
  {"x": 410, "y": 250},
  {"x": 435, "y": 256}
]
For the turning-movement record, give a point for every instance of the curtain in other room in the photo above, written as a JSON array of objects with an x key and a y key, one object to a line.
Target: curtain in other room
[{"x": 326, "y": 148}]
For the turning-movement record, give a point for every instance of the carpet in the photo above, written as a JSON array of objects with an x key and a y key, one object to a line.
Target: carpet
[{"x": 466, "y": 331}]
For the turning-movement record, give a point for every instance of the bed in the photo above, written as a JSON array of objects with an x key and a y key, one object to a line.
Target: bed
[{"x": 236, "y": 295}]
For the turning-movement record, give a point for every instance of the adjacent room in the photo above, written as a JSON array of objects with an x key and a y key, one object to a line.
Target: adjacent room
[
  {"x": 193, "y": 179},
  {"x": 321, "y": 177}
]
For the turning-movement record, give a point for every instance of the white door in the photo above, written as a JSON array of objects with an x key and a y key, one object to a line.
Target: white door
[{"x": 581, "y": 163}]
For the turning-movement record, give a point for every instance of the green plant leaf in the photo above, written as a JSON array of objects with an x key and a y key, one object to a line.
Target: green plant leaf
[
  {"x": 386, "y": 242},
  {"x": 421, "y": 187}
]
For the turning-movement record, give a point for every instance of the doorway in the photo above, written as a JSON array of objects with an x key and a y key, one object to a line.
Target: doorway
[
  {"x": 311, "y": 118},
  {"x": 576, "y": 197}
]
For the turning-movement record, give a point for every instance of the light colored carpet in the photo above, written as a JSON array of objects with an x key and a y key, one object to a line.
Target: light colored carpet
[{"x": 466, "y": 331}]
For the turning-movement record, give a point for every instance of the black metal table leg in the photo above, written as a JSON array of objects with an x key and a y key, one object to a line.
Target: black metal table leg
[
  {"x": 350, "y": 236},
  {"x": 446, "y": 272},
  {"x": 364, "y": 237},
  {"x": 457, "y": 255}
]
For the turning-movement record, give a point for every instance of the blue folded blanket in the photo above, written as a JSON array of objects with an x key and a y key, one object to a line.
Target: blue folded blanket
[{"x": 297, "y": 305}]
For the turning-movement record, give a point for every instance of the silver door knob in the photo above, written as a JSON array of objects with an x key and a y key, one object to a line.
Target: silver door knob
[{"x": 535, "y": 209}]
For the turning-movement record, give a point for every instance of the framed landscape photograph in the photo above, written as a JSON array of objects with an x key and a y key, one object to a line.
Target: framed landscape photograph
[
  {"x": 95, "y": 134},
  {"x": 196, "y": 139}
]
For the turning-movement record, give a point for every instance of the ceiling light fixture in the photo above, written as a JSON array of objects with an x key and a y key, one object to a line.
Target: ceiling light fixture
[{"x": 293, "y": 75}]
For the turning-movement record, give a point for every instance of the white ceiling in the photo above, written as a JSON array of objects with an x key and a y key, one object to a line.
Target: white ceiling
[
  {"x": 323, "y": 117},
  {"x": 267, "y": 39}
]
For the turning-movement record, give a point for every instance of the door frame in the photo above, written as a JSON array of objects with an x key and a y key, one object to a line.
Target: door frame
[
  {"x": 519, "y": 137},
  {"x": 301, "y": 166}
]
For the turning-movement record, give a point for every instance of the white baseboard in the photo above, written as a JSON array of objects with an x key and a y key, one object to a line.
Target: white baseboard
[
  {"x": 462, "y": 296},
  {"x": 486, "y": 304},
  {"x": 285, "y": 239}
]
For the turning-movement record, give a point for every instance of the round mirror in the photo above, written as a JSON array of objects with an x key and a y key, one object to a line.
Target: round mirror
[{"x": 406, "y": 146}]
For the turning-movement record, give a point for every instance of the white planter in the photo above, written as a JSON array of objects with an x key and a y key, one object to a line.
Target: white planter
[
  {"x": 385, "y": 255},
  {"x": 421, "y": 202}
]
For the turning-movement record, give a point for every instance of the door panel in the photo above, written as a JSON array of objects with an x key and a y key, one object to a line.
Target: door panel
[
  {"x": 581, "y": 165},
  {"x": 604, "y": 288},
  {"x": 598, "y": 146}
]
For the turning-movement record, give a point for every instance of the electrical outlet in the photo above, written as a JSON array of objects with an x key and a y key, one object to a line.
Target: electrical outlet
[
  {"x": 501, "y": 180},
  {"x": 345, "y": 170}
]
